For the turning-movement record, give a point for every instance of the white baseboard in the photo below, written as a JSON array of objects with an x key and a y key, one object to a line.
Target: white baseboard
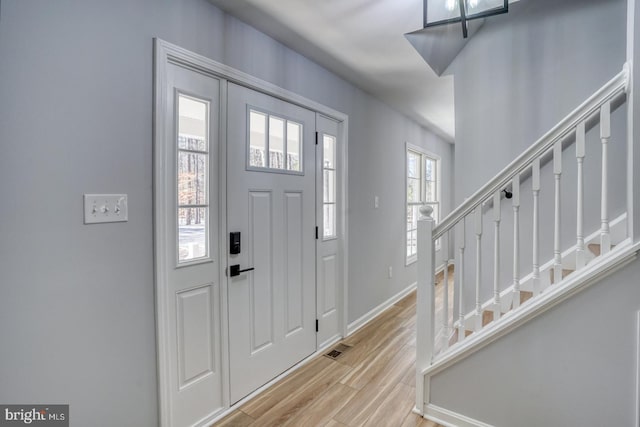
[
  {"x": 372, "y": 314},
  {"x": 369, "y": 316},
  {"x": 638, "y": 369},
  {"x": 449, "y": 418}
]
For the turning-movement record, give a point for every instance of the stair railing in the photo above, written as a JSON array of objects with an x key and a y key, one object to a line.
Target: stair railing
[{"x": 434, "y": 340}]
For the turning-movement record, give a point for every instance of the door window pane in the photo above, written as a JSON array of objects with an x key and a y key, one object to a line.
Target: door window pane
[
  {"x": 192, "y": 124},
  {"x": 192, "y": 233},
  {"x": 329, "y": 215},
  {"x": 329, "y": 155},
  {"x": 329, "y": 189},
  {"x": 192, "y": 192},
  {"x": 294, "y": 137},
  {"x": 257, "y": 139},
  {"x": 329, "y": 198},
  {"x": 192, "y": 178},
  {"x": 276, "y": 143}
]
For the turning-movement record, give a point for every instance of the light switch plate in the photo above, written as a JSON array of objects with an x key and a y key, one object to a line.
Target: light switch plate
[{"x": 100, "y": 208}]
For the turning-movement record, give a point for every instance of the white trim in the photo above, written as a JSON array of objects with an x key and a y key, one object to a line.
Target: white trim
[
  {"x": 164, "y": 54},
  {"x": 160, "y": 235},
  {"x": 175, "y": 54},
  {"x": 638, "y": 369},
  {"x": 227, "y": 411},
  {"x": 631, "y": 186},
  {"x": 223, "y": 245},
  {"x": 449, "y": 418},
  {"x": 598, "y": 270},
  {"x": 372, "y": 314},
  {"x": 343, "y": 129}
]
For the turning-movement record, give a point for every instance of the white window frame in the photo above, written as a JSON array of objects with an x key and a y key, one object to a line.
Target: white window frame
[
  {"x": 209, "y": 238},
  {"x": 424, "y": 154},
  {"x": 334, "y": 169},
  {"x": 286, "y": 120}
]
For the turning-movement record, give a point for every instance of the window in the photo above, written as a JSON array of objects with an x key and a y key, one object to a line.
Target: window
[
  {"x": 279, "y": 137},
  {"x": 193, "y": 179},
  {"x": 329, "y": 187},
  {"x": 422, "y": 188}
]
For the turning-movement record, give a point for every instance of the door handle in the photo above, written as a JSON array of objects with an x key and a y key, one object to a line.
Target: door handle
[{"x": 234, "y": 270}]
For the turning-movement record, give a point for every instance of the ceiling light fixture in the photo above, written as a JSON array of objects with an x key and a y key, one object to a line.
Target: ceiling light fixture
[{"x": 439, "y": 12}]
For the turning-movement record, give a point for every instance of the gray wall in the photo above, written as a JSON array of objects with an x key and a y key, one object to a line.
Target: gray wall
[
  {"x": 516, "y": 79},
  {"x": 574, "y": 365},
  {"x": 77, "y": 302},
  {"x": 525, "y": 71}
]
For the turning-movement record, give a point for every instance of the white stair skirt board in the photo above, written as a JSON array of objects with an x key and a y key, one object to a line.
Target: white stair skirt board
[
  {"x": 618, "y": 235},
  {"x": 372, "y": 314},
  {"x": 449, "y": 418}
]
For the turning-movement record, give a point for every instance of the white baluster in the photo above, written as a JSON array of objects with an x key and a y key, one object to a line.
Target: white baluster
[
  {"x": 478, "y": 217},
  {"x": 580, "y": 153},
  {"x": 425, "y": 308},
  {"x": 460, "y": 236},
  {"x": 496, "y": 257},
  {"x": 535, "y": 186},
  {"x": 605, "y": 134},
  {"x": 516, "y": 239},
  {"x": 444, "y": 249},
  {"x": 557, "y": 255}
]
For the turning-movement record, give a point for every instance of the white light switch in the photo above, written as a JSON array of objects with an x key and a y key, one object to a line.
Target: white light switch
[
  {"x": 105, "y": 208},
  {"x": 376, "y": 202}
]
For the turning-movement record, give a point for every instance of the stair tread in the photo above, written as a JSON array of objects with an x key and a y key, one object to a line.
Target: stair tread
[
  {"x": 487, "y": 317},
  {"x": 596, "y": 249},
  {"x": 454, "y": 336},
  {"x": 525, "y": 296},
  {"x": 565, "y": 273}
]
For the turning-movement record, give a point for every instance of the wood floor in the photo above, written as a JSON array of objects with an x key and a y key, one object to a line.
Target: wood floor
[{"x": 370, "y": 384}]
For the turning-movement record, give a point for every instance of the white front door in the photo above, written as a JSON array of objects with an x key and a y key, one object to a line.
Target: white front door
[
  {"x": 271, "y": 202},
  {"x": 187, "y": 258}
]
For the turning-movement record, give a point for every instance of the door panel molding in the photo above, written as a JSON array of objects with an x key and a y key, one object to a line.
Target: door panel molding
[
  {"x": 260, "y": 225},
  {"x": 293, "y": 249}
]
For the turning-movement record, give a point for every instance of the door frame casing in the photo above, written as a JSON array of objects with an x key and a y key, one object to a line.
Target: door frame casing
[{"x": 165, "y": 54}]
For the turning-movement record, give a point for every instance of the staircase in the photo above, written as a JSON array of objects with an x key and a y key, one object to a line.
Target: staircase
[{"x": 469, "y": 304}]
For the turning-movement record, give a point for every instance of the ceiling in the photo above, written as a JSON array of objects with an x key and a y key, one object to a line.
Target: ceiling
[{"x": 363, "y": 42}]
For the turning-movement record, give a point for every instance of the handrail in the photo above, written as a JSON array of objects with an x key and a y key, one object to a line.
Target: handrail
[{"x": 615, "y": 86}]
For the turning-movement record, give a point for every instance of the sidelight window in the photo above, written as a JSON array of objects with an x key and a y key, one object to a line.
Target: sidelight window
[
  {"x": 193, "y": 179},
  {"x": 329, "y": 186}
]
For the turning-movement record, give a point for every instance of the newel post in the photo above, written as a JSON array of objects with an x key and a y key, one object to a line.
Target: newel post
[{"x": 425, "y": 322}]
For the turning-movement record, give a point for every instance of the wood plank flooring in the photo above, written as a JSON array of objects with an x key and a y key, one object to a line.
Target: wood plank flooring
[{"x": 370, "y": 384}]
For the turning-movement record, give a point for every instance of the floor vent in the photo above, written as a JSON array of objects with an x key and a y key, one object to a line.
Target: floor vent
[{"x": 338, "y": 351}]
